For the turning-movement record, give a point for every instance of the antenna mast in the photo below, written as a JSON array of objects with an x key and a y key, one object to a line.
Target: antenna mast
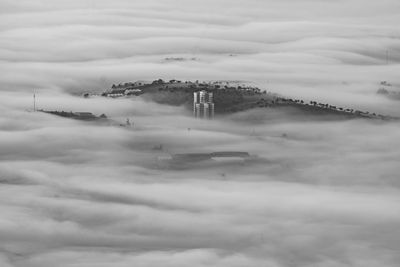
[{"x": 34, "y": 101}]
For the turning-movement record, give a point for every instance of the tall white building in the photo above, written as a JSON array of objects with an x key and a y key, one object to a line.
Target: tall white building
[{"x": 203, "y": 106}]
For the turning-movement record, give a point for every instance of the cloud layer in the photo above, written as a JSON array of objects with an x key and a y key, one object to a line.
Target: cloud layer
[
  {"x": 328, "y": 51},
  {"x": 82, "y": 194},
  {"x": 323, "y": 193}
]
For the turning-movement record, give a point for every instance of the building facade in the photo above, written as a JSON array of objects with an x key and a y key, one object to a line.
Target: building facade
[{"x": 203, "y": 105}]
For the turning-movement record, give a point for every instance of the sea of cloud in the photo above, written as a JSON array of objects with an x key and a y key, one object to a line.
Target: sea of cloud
[{"x": 324, "y": 192}]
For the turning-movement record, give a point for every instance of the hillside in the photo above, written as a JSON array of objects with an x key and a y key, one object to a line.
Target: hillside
[{"x": 229, "y": 97}]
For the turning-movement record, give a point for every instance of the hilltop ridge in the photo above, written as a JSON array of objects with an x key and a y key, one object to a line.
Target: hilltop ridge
[{"x": 229, "y": 97}]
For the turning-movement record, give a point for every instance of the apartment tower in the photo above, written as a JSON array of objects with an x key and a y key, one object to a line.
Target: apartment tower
[{"x": 203, "y": 106}]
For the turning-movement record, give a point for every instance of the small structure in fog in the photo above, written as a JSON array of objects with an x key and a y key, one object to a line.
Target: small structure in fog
[{"x": 221, "y": 156}]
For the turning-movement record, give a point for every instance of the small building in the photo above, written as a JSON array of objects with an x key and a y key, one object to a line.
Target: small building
[{"x": 85, "y": 115}]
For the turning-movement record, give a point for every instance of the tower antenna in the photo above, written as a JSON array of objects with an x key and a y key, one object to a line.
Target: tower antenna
[{"x": 34, "y": 101}]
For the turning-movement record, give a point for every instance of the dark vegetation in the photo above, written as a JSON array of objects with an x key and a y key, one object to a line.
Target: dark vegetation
[
  {"x": 229, "y": 98},
  {"x": 86, "y": 116}
]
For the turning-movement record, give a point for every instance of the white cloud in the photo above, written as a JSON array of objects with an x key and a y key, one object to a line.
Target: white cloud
[{"x": 81, "y": 194}]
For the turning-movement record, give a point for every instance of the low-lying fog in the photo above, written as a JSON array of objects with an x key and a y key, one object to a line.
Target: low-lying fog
[
  {"x": 323, "y": 192},
  {"x": 326, "y": 194}
]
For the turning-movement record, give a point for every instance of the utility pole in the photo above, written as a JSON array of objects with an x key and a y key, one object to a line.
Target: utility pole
[{"x": 34, "y": 101}]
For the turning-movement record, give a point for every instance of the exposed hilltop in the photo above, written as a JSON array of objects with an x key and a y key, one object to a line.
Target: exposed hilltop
[
  {"x": 84, "y": 116},
  {"x": 229, "y": 97}
]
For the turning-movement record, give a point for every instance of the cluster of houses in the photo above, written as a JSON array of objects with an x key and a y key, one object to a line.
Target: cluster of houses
[
  {"x": 123, "y": 92},
  {"x": 125, "y": 89}
]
